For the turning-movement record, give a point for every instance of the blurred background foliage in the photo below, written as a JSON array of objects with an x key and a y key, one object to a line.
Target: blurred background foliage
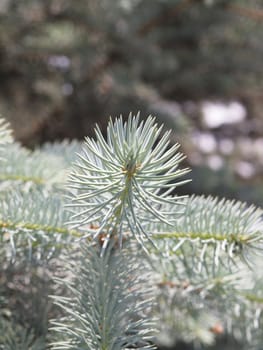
[{"x": 196, "y": 64}]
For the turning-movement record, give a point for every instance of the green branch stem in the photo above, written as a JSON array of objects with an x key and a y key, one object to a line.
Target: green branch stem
[
  {"x": 22, "y": 178},
  {"x": 38, "y": 228},
  {"x": 204, "y": 236}
]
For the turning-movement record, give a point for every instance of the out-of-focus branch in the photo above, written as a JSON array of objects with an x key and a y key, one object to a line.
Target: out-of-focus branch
[
  {"x": 252, "y": 13},
  {"x": 168, "y": 14}
]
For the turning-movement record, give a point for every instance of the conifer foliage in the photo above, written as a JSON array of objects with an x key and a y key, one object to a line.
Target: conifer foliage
[{"x": 98, "y": 252}]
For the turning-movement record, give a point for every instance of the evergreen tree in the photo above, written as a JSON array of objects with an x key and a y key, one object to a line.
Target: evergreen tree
[{"x": 136, "y": 265}]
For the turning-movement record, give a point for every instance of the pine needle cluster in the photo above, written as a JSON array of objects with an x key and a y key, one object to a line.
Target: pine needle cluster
[{"x": 98, "y": 251}]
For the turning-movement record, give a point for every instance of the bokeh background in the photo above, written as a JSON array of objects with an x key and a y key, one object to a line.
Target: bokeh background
[{"x": 195, "y": 64}]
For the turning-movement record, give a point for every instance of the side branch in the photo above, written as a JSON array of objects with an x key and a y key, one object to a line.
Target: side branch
[
  {"x": 231, "y": 238},
  {"x": 36, "y": 180},
  {"x": 38, "y": 227}
]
